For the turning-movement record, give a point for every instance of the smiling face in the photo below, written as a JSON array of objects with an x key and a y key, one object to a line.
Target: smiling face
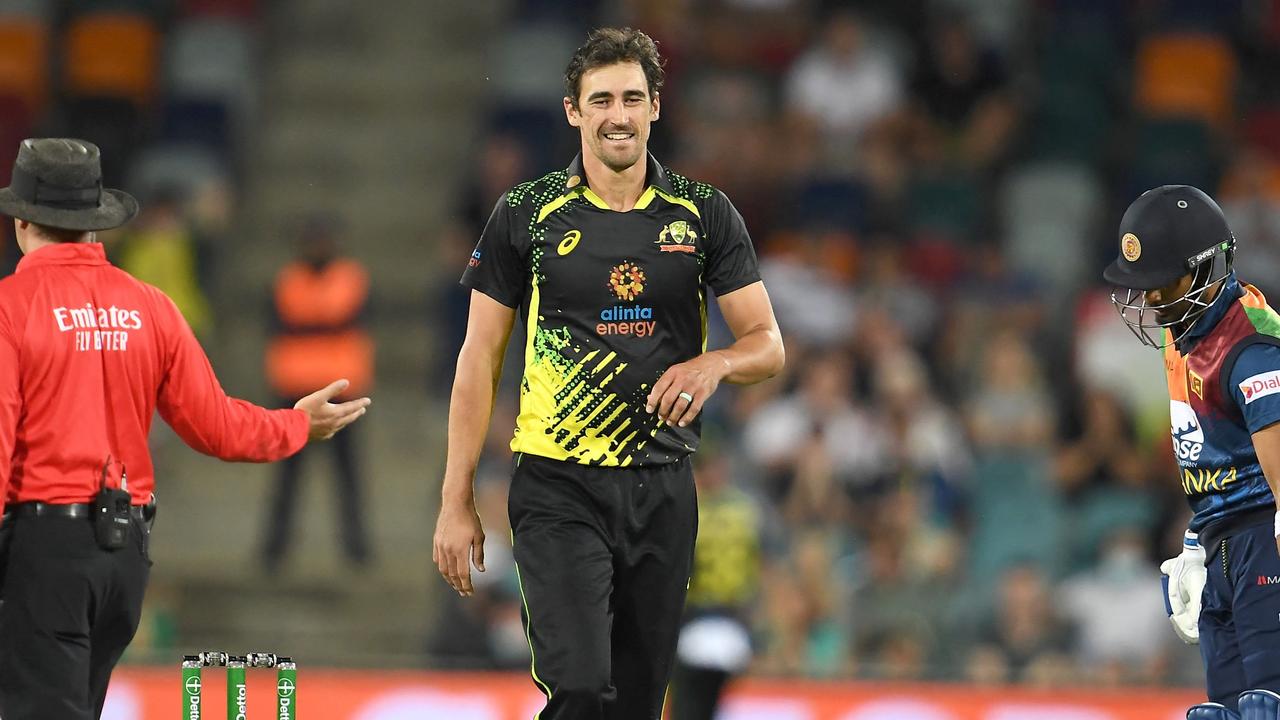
[{"x": 613, "y": 112}]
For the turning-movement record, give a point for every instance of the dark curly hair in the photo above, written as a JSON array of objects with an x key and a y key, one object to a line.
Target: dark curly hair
[{"x": 607, "y": 46}]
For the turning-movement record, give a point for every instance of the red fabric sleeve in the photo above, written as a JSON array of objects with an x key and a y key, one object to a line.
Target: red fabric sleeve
[
  {"x": 10, "y": 405},
  {"x": 194, "y": 404}
]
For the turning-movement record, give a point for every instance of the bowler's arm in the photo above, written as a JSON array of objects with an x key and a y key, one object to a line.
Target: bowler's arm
[
  {"x": 459, "y": 536},
  {"x": 757, "y": 353},
  {"x": 475, "y": 387}
]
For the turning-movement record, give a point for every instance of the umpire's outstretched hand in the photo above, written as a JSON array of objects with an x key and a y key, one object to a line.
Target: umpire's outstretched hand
[{"x": 328, "y": 418}]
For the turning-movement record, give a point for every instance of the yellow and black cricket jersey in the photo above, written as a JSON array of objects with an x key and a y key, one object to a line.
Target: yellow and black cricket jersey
[{"x": 610, "y": 301}]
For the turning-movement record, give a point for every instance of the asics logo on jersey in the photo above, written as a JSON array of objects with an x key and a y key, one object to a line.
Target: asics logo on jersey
[
  {"x": 1188, "y": 436},
  {"x": 569, "y": 242}
]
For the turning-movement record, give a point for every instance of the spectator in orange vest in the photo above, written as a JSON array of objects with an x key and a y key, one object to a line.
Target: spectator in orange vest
[{"x": 319, "y": 302}]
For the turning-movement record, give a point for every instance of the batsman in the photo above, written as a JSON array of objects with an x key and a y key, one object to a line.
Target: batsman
[{"x": 1178, "y": 292}]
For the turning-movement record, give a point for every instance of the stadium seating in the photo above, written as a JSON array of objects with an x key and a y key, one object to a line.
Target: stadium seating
[
  {"x": 1048, "y": 210},
  {"x": 1186, "y": 75},
  {"x": 211, "y": 60},
  {"x": 24, "y": 61},
  {"x": 112, "y": 55}
]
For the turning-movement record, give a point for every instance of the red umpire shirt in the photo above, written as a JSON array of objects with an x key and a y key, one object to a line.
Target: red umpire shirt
[{"x": 87, "y": 354}]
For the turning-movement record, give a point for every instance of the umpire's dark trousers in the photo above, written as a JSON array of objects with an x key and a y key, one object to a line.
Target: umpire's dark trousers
[
  {"x": 68, "y": 609},
  {"x": 603, "y": 557}
]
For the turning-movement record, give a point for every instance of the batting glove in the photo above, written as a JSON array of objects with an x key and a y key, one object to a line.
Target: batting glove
[{"x": 1184, "y": 578}]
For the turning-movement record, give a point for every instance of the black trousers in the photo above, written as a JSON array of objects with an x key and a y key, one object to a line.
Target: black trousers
[
  {"x": 603, "y": 556},
  {"x": 695, "y": 692},
  {"x": 68, "y": 610},
  {"x": 279, "y": 528}
]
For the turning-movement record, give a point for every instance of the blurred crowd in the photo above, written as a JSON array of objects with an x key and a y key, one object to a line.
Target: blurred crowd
[
  {"x": 166, "y": 89},
  {"x": 965, "y": 472}
]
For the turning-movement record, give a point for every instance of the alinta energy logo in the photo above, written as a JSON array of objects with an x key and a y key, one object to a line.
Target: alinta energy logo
[{"x": 627, "y": 281}]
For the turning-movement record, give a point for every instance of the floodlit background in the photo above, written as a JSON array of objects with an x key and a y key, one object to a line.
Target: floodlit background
[{"x": 964, "y": 474}]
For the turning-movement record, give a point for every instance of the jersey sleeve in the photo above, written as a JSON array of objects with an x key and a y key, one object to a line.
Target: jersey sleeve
[
  {"x": 10, "y": 404},
  {"x": 1255, "y": 385},
  {"x": 731, "y": 258},
  {"x": 496, "y": 267},
  {"x": 192, "y": 401}
]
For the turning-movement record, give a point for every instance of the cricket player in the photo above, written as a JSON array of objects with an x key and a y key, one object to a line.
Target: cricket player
[
  {"x": 1177, "y": 291},
  {"x": 609, "y": 263}
]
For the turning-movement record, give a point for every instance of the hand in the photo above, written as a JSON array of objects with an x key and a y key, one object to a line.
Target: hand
[
  {"x": 328, "y": 418},
  {"x": 1186, "y": 583},
  {"x": 459, "y": 537},
  {"x": 697, "y": 379}
]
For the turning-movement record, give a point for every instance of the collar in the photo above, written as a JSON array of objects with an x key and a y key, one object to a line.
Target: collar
[
  {"x": 90, "y": 253},
  {"x": 1230, "y": 292},
  {"x": 654, "y": 175}
]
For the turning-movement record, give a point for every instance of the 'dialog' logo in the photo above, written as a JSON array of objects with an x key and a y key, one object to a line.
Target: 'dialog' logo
[
  {"x": 627, "y": 281},
  {"x": 677, "y": 237}
]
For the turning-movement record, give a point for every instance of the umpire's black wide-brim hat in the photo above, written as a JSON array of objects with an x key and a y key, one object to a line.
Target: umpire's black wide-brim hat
[
  {"x": 1164, "y": 235},
  {"x": 57, "y": 183}
]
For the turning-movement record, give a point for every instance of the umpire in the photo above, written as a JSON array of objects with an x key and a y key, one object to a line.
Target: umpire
[
  {"x": 87, "y": 355},
  {"x": 609, "y": 262}
]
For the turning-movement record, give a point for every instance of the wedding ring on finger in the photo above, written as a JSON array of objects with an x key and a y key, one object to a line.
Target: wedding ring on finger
[{"x": 686, "y": 397}]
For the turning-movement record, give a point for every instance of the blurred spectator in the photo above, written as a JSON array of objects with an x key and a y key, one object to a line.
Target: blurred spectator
[
  {"x": 1123, "y": 627},
  {"x": 1107, "y": 358},
  {"x": 896, "y": 609},
  {"x": 843, "y": 86},
  {"x": 802, "y": 633},
  {"x": 1099, "y": 451},
  {"x": 1009, "y": 406},
  {"x": 884, "y": 284},
  {"x": 319, "y": 304},
  {"x": 1251, "y": 201},
  {"x": 801, "y": 441},
  {"x": 926, "y": 439},
  {"x": 715, "y": 642},
  {"x": 159, "y": 249},
  {"x": 502, "y": 163},
  {"x": 962, "y": 90},
  {"x": 803, "y": 276},
  {"x": 1023, "y": 639}
]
